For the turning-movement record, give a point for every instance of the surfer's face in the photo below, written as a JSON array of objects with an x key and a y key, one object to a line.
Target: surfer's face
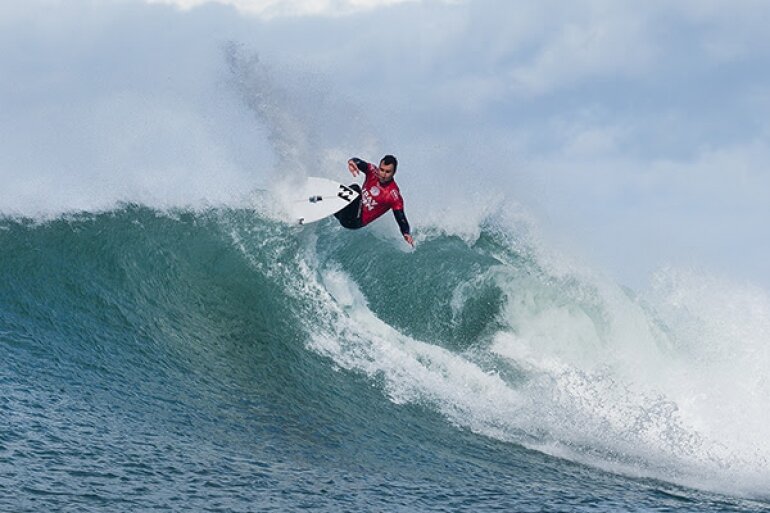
[{"x": 385, "y": 173}]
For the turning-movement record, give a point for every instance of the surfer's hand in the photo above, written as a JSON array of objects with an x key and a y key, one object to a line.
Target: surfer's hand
[
  {"x": 408, "y": 238},
  {"x": 353, "y": 168}
]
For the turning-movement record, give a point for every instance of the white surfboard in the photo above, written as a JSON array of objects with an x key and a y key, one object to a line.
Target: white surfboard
[{"x": 318, "y": 198}]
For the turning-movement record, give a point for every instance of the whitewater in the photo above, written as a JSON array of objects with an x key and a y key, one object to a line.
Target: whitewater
[{"x": 170, "y": 341}]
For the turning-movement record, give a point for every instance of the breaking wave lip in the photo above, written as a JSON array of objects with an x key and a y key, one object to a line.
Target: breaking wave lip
[{"x": 485, "y": 330}]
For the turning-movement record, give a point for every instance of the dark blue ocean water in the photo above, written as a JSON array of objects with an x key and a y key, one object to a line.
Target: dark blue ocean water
[{"x": 221, "y": 361}]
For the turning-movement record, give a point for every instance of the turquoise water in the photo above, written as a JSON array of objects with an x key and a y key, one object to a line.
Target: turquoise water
[{"x": 222, "y": 361}]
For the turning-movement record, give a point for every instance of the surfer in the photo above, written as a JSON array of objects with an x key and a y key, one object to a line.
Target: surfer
[{"x": 380, "y": 194}]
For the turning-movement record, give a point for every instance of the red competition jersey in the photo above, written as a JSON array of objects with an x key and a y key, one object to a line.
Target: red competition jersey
[{"x": 376, "y": 198}]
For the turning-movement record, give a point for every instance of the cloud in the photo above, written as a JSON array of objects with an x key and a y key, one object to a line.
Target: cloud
[
  {"x": 280, "y": 8},
  {"x": 583, "y": 44}
]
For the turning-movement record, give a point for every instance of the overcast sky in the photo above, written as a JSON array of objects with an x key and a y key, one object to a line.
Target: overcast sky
[{"x": 637, "y": 132}]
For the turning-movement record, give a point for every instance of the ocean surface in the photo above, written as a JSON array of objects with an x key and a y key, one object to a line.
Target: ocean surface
[{"x": 222, "y": 360}]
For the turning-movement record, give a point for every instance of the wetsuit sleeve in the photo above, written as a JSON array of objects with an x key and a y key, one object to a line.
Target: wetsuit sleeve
[
  {"x": 403, "y": 224},
  {"x": 362, "y": 166}
]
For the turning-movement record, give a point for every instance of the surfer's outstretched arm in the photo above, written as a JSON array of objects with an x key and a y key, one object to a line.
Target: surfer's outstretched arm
[{"x": 355, "y": 165}]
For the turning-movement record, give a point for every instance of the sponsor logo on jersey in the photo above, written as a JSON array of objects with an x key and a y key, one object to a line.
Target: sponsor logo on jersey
[{"x": 369, "y": 202}]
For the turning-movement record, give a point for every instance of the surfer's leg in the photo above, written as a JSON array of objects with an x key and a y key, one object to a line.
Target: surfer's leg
[{"x": 350, "y": 216}]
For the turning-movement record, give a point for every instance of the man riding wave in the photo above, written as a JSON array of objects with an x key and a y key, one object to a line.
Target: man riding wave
[{"x": 379, "y": 194}]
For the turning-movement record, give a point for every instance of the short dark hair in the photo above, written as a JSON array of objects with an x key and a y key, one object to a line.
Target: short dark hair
[{"x": 388, "y": 160}]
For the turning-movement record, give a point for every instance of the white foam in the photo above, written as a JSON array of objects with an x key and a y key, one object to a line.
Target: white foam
[
  {"x": 604, "y": 380},
  {"x": 413, "y": 371},
  {"x": 674, "y": 389}
]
